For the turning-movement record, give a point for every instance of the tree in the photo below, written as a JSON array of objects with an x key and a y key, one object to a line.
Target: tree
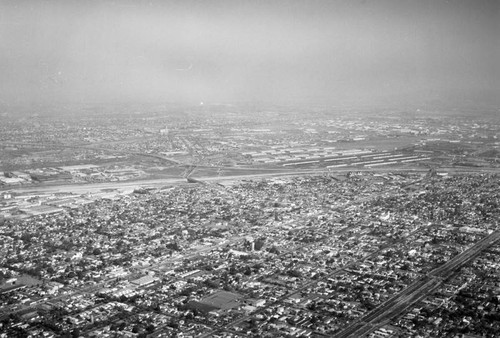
[
  {"x": 259, "y": 243},
  {"x": 274, "y": 250}
]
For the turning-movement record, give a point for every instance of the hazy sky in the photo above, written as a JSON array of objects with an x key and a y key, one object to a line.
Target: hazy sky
[{"x": 226, "y": 51}]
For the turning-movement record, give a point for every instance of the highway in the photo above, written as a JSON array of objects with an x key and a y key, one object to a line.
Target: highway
[
  {"x": 415, "y": 292},
  {"x": 444, "y": 270},
  {"x": 302, "y": 288},
  {"x": 83, "y": 188},
  {"x": 296, "y": 291},
  {"x": 79, "y": 188},
  {"x": 380, "y": 315}
]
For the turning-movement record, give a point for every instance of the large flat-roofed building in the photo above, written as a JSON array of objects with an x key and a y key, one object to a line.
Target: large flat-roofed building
[{"x": 146, "y": 280}]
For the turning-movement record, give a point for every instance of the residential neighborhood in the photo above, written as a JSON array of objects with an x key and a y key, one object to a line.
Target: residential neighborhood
[{"x": 289, "y": 256}]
